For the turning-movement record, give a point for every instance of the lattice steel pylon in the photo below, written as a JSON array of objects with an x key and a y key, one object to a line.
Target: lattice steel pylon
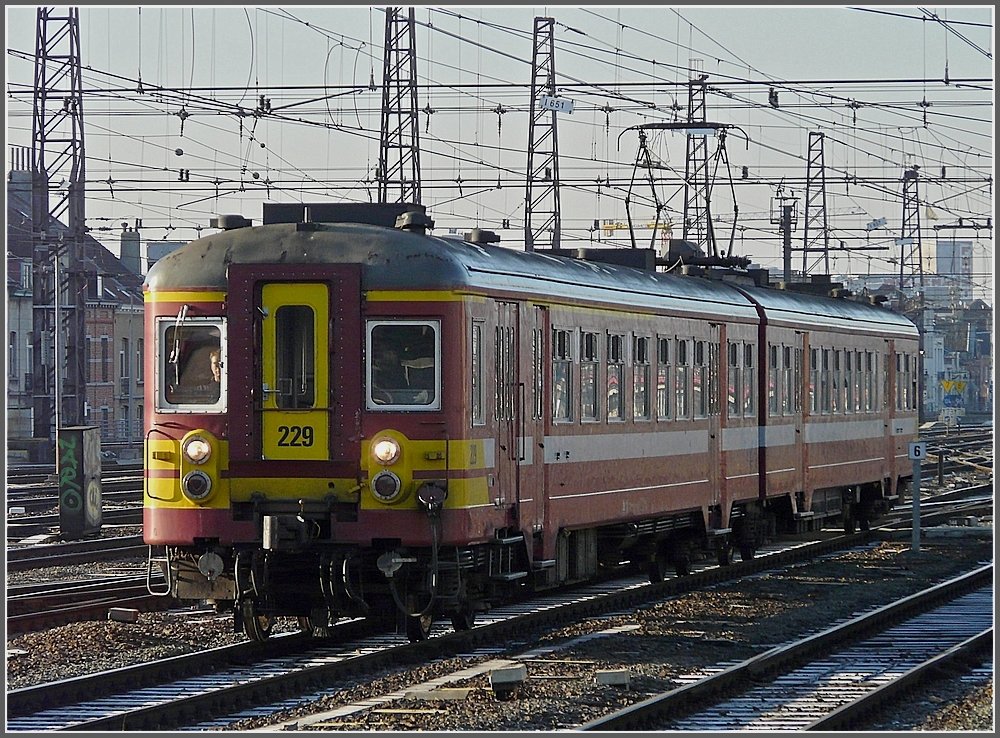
[
  {"x": 816, "y": 238},
  {"x": 911, "y": 262},
  {"x": 399, "y": 143},
  {"x": 697, "y": 188},
  {"x": 541, "y": 199},
  {"x": 60, "y": 258}
]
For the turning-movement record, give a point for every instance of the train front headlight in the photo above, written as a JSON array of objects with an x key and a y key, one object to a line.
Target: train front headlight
[
  {"x": 386, "y": 486},
  {"x": 197, "y": 485},
  {"x": 197, "y": 450},
  {"x": 386, "y": 451}
]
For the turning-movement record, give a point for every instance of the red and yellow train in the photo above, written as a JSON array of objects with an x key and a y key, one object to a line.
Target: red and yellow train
[{"x": 399, "y": 423}]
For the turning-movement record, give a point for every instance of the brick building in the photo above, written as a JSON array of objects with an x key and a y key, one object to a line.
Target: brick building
[{"x": 113, "y": 320}]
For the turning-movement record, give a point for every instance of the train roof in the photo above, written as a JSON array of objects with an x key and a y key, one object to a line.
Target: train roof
[
  {"x": 795, "y": 308},
  {"x": 393, "y": 260}
]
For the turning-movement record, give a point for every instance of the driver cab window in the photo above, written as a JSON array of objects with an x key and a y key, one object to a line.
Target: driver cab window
[
  {"x": 192, "y": 364},
  {"x": 404, "y": 365}
]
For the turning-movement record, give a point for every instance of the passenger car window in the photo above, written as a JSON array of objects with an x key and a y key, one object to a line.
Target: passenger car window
[{"x": 403, "y": 364}]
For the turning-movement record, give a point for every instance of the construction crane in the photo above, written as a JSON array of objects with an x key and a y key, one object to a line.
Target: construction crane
[{"x": 611, "y": 226}]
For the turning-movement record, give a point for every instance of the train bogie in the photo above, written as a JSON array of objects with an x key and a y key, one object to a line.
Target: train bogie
[{"x": 353, "y": 420}]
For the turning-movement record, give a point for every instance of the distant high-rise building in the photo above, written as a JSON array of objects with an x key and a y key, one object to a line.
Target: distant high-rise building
[{"x": 948, "y": 273}]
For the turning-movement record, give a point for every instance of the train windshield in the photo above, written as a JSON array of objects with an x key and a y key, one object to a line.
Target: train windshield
[
  {"x": 404, "y": 365},
  {"x": 191, "y": 361}
]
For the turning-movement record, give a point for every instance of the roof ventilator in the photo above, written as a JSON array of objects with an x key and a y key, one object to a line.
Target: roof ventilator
[{"x": 415, "y": 222}]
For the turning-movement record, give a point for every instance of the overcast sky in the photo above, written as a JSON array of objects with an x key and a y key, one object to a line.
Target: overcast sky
[{"x": 865, "y": 77}]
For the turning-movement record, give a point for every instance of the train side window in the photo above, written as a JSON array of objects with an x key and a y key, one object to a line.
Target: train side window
[
  {"x": 837, "y": 397},
  {"x": 787, "y": 379},
  {"x": 682, "y": 375},
  {"x": 814, "y": 380},
  {"x": 797, "y": 382},
  {"x": 663, "y": 387},
  {"x": 869, "y": 381},
  {"x": 734, "y": 392},
  {"x": 772, "y": 380},
  {"x": 714, "y": 376},
  {"x": 640, "y": 378},
  {"x": 537, "y": 346},
  {"x": 824, "y": 380},
  {"x": 903, "y": 379},
  {"x": 848, "y": 381},
  {"x": 699, "y": 380},
  {"x": 506, "y": 372},
  {"x": 749, "y": 380},
  {"x": 404, "y": 365},
  {"x": 859, "y": 381},
  {"x": 616, "y": 378},
  {"x": 589, "y": 358},
  {"x": 478, "y": 417},
  {"x": 562, "y": 363}
]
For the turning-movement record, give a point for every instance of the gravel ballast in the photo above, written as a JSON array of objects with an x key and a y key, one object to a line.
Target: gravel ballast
[{"x": 656, "y": 644}]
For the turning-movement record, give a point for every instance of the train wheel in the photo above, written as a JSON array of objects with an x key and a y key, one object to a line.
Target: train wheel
[
  {"x": 724, "y": 552},
  {"x": 464, "y": 619},
  {"x": 656, "y": 569},
  {"x": 418, "y": 627},
  {"x": 257, "y": 626},
  {"x": 682, "y": 564}
]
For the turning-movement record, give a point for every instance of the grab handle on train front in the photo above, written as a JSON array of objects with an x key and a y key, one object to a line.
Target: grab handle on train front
[{"x": 164, "y": 562}]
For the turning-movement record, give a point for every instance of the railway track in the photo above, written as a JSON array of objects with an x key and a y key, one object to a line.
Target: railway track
[
  {"x": 202, "y": 690},
  {"x": 44, "y": 605},
  {"x": 25, "y": 558},
  {"x": 821, "y": 682}
]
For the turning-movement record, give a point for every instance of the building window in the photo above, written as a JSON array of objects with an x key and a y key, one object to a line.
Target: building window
[
  {"x": 640, "y": 378},
  {"x": 616, "y": 377},
  {"x": 105, "y": 358},
  {"x": 12, "y": 355},
  {"x": 123, "y": 363},
  {"x": 663, "y": 387},
  {"x": 140, "y": 355},
  {"x": 589, "y": 407}
]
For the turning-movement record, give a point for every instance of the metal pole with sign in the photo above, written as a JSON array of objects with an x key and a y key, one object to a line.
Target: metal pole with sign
[{"x": 917, "y": 452}]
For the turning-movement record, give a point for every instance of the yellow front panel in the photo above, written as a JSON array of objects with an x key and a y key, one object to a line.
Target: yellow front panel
[
  {"x": 295, "y": 368},
  {"x": 296, "y": 434}
]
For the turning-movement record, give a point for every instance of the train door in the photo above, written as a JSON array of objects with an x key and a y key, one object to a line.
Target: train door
[
  {"x": 715, "y": 472},
  {"x": 294, "y": 374},
  {"x": 531, "y": 409},
  {"x": 507, "y": 357},
  {"x": 294, "y": 406}
]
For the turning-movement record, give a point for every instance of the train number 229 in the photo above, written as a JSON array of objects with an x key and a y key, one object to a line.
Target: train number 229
[{"x": 295, "y": 435}]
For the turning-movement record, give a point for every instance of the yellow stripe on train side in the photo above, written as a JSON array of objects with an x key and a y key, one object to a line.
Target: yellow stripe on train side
[
  {"x": 421, "y": 296},
  {"x": 214, "y": 296}
]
